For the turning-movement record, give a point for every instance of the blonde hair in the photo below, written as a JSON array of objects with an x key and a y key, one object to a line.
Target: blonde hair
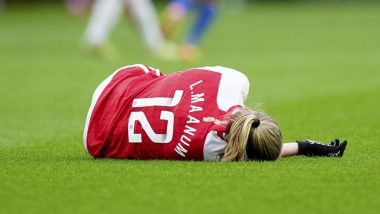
[{"x": 252, "y": 135}]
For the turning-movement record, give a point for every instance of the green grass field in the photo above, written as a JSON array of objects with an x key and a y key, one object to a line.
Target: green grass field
[{"x": 314, "y": 67}]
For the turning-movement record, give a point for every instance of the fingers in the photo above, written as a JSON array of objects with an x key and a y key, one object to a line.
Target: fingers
[
  {"x": 339, "y": 148},
  {"x": 342, "y": 148},
  {"x": 335, "y": 142}
]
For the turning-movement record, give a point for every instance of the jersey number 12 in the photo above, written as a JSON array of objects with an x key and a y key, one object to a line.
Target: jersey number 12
[{"x": 139, "y": 116}]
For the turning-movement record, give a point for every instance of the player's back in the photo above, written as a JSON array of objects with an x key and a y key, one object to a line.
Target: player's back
[{"x": 143, "y": 114}]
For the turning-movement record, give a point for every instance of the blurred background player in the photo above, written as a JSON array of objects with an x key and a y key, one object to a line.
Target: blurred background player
[
  {"x": 2, "y": 4},
  {"x": 106, "y": 13},
  {"x": 175, "y": 14},
  {"x": 78, "y": 7}
]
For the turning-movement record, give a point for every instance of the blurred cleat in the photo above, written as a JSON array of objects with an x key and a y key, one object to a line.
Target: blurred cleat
[
  {"x": 188, "y": 53},
  {"x": 105, "y": 51},
  {"x": 167, "y": 52}
]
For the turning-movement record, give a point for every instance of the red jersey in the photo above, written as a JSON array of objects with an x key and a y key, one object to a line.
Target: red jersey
[{"x": 139, "y": 113}]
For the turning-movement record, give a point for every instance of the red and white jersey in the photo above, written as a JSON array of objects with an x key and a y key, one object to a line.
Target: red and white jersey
[{"x": 139, "y": 113}]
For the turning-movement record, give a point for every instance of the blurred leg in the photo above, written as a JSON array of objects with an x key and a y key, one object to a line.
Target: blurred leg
[
  {"x": 104, "y": 16},
  {"x": 206, "y": 14},
  {"x": 77, "y": 7},
  {"x": 174, "y": 14},
  {"x": 144, "y": 14}
]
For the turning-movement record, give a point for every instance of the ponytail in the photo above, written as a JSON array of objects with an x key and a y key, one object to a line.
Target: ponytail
[
  {"x": 252, "y": 135},
  {"x": 255, "y": 122}
]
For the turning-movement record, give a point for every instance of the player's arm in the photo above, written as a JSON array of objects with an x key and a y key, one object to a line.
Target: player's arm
[
  {"x": 313, "y": 148},
  {"x": 289, "y": 149}
]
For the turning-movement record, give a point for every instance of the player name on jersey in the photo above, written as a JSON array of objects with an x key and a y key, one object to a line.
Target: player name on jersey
[{"x": 191, "y": 123}]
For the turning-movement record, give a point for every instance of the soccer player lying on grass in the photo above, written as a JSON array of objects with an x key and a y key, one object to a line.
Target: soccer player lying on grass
[{"x": 197, "y": 114}]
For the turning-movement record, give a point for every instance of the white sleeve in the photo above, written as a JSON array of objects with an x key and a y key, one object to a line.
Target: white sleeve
[
  {"x": 213, "y": 147},
  {"x": 233, "y": 87}
]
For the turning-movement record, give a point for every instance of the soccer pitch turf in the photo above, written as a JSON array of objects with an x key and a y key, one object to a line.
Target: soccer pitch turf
[{"x": 314, "y": 67}]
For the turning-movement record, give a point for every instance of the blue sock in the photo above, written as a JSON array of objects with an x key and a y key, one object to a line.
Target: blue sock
[{"x": 206, "y": 14}]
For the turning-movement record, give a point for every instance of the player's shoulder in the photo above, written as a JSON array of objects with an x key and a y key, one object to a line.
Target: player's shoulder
[
  {"x": 218, "y": 68},
  {"x": 138, "y": 69},
  {"x": 141, "y": 67},
  {"x": 226, "y": 72},
  {"x": 233, "y": 87}
]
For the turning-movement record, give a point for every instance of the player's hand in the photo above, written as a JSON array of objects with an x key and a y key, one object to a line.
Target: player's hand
[{"x": 315, "y": 148}]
